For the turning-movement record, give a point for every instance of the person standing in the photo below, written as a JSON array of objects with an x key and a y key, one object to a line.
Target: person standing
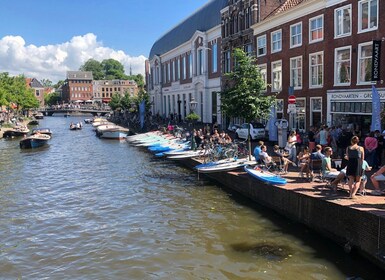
[
  {"x": 323, "y": 136},
  {"x": 311, "y": 139},
  {"x": 290, "y": 146},
  {"x": 355, "y": 155},
  {"x": 370, "y": 145}
]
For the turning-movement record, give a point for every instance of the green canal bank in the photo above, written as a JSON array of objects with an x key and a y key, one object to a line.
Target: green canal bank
[{"x": 357, "y": 224}]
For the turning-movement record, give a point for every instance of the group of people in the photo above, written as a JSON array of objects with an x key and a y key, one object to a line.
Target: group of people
[
  {"x": 202, "y": 137},
  {"x": 339, "y": 139},
  {"x": 353, "y": 157}
]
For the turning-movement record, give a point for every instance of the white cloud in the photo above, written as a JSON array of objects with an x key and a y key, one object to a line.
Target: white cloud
[{"x": 53, "y": 61}]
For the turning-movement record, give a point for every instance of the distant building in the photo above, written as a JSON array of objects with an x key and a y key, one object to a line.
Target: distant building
[
  {"x": 38, "y": 89},
  {"x": 104, "y": 89},
  {"x": 77, "y": 87}
]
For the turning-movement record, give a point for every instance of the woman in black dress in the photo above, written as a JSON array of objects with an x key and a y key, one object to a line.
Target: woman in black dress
[{"x": 355, "y": 155}]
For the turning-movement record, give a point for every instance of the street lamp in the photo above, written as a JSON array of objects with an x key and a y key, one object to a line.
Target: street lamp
[{"x": 193, "y": 105}]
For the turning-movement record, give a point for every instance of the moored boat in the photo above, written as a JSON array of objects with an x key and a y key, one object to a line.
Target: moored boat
[
  {"x": 34, "y": 141},
  {"x": 41, "y": 130},
  {"x": 16, "y": 131},
  {"x": 113, "y": 132},
  {"x": 39, "y": 116}
]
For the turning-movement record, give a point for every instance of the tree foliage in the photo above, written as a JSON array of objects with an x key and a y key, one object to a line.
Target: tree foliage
[
  {"x": 243, "y": 94},
  {"x": 14, "y": 90},
  {"x": 52, "y": 98},
  {"x": 95, "y": 67}
]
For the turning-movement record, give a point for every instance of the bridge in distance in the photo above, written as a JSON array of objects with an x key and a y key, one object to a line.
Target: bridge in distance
[{"x": 74, "y": 111}]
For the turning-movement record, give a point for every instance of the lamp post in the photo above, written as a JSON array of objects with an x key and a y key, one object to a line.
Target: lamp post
[{"x": 193, "y": 106}]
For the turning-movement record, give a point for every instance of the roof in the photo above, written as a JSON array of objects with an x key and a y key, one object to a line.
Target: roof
[
  {"x": 79, "y": 75},
  {"x": 287, "y": 5},
  {"x": 33, "y": 83},
  {"x": 203, "y": 20}
]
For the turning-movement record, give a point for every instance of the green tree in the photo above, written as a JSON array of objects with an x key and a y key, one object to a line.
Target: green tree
[
  {"x": 46, "y": 83},
  {"x": 58, "y": 84},
  {"x": 113, "y": 69},
  {"x": 242, "y": 95},
  {"x": 52, "y": 98},
  {"x": 95, "y": 67},
  {"x": 116, "y": 101},
  {"x": 15, "y": 90}
]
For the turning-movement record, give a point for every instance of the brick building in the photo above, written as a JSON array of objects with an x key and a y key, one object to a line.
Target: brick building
[
  {"x": 38, "y": 89},
  {"x": 104, "y": 89},
  {"x": 320, "y": 51},
  {"x": 77, "y": 86}
]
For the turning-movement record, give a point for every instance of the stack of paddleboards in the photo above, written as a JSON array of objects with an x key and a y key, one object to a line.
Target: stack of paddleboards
[
  {"x": 265, "y": 176},
  {"x": 224, "y": 165}
]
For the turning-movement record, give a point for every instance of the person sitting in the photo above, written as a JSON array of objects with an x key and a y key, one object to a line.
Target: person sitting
[
  {"x": 257, "y": 151},
  {"x": 326, "y": 168},
  {"x": 304, "y": 162},
  {"x": 342, "y": 175},
  {"x": 318, "y": 153},
  {"x": 376, "y": 178},
  {"x": 283, "y": 159}
]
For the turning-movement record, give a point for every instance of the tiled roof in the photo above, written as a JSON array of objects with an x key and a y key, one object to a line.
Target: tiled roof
[
  {"x": 33, "y": 83},
  {"x": 203, "y": 19},
  {"x": 79, "y": 75},
  {"x": 285, "y": 7}
]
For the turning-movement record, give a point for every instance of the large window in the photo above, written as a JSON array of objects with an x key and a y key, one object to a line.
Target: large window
[
  {"x": 184, "y": 67},
  {"x": 227, "y": 62},
  {"x": 342, "y": 60},
  {"x": 343, "y": 21},
  {"x": 276, "y": 75},
  {"x": 261, "y": 45},
  {"x": 316, "y": 66},
  {"x": 200, "y": 62},
  {"x": 367, "y": 15},
  {"x": 296, "y": 72},
  {"x": 214, "y": 57},
  {"x": 263, "y": 71},
  {"x": 190, "y": 61},
  {"x": 296, "y": 35},
  {"x": 276, "y": 41},
  {"x": 177, "y": 69},
  {"x": 316, "y": 29},
  {"x": 365, "y": 63}
]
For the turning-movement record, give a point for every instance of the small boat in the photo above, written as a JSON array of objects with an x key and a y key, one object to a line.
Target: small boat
[
  {"x": 34, "y": 141},
  {"x": 76, "y": 126},
  {"x": 17, "y": 131},
  {"x": 113, "y": 132},
  {"x": 265, "y": 176},
  {"x": 88, "y": 121},
  {"x": 39, "y": 116},
  {"x": 41, "y": 130}
]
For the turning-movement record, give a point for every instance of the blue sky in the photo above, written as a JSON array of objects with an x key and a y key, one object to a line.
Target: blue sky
[{"x": 40, "y": 38}]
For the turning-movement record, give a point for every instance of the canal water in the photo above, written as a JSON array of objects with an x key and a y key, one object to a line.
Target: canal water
[{"x": 87, "y": 208}]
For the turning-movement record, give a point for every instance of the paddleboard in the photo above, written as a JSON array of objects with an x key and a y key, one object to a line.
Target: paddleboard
[{"x": 265, "y": 176}]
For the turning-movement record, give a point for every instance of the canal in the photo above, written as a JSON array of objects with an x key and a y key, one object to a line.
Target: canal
[{"x": 87, "y": 208}]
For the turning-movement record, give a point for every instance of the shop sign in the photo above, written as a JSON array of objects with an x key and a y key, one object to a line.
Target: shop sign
[
  {"x": 376, "y": 61},
  {"x": 354, "y": 95}
]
